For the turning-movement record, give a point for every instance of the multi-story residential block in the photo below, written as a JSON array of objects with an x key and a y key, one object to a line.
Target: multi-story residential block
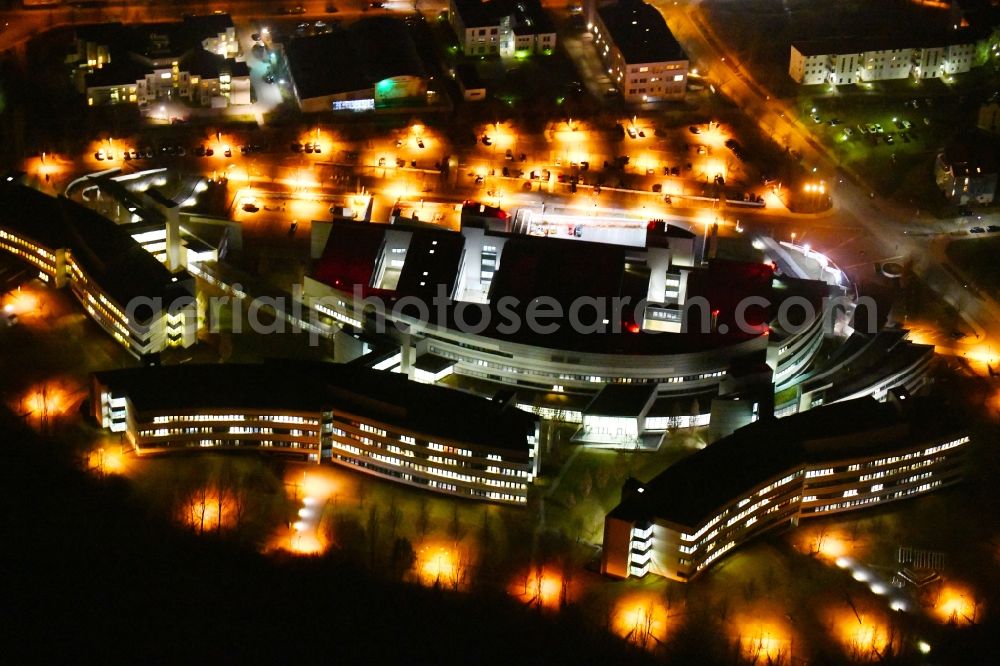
[
  {"x": 850, "y": 61},
  {"x": 193, "y": 61},
  {"x": 776, "y": 472},
  {"x": 375, "y": 422},
  {"x": 123, "y": 288},
  {"x": 504, "y": 27},
  {"x": 966, "y": 170},
  {"x": 640, "y": 53}
]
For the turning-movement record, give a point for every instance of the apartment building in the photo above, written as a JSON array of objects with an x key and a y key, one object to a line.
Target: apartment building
[
  {"x": 504, "y": 27},
  {"x": 193, "y": 61},
  {"x": 966, "y": 171},
  {"x": 850, "y": 61},
  {"x": 638, "y": 50}
]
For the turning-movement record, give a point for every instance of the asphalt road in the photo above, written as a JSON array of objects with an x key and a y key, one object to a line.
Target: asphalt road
[{"x": 891, "y": 230}]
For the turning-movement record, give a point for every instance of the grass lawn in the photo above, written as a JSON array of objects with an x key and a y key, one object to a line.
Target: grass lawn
[
  {"x": 591, "y": 485},
  {"x": 978, "y": 259}
]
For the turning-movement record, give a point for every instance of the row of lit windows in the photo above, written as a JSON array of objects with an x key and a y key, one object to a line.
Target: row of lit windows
[
  {"x": 594, "y": 379},
  {"x": 698, "y": 537},
  {"x": 433, "y": 483},
  {"x": 441, "y": 460},
  {"x": 28, "y": 245},
  {"x": 468, "y": 478},
  {"x": 29, "y": 256}
]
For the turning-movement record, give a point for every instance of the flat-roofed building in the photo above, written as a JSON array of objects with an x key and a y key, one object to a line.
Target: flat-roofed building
[
  {"x": 503, "y": 27},
  {"x": 193, "y": 60},
  {"x": 865, "y": 365},
  {"x": 123, "y": 288},
  {"x": 966, "y": 170},
  {"x": 472, "y": 282},
  {"x": 850, "y": 61},
  {"x": 472, "y": 87},
  {"x": 776, "y": 472},
  {"x": 617, "y": 418},
  {"x": 641, "y": 55},
  {"x": 371, "y": 421},
  {"x": 371, "y": 63}
]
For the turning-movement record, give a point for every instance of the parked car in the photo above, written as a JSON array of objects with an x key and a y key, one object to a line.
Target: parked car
[{"x": 977, "y": 230}]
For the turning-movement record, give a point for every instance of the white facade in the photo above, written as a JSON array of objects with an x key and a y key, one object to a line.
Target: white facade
[
  {"x": 501, "y": 28},
  {"x": 811, "y": 64},
  {"x": 642, "y": 80}
]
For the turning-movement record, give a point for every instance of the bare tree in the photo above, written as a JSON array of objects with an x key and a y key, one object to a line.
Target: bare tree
[
  {"x": 402, "y": 557},
  {"x": 196, "y": 507},
  {"x": 486, "y": 532},
  {"x": 393, "y": 517},
  {"x": 455, "y": 526},
  {"x": 423, "y": 516},
  {"x": 372, "y": 529}
]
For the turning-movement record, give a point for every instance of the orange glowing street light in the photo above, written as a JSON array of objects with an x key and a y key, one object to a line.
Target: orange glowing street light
[
  {"x": 542, "y": 587},
  {"x": 955, "y": 605},
  {"x": 641, "y": 619}
]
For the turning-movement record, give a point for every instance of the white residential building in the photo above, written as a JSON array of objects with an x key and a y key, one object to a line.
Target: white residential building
[
  {"x": 850, "y": 61},
  {"x": 641, "y": 55}
]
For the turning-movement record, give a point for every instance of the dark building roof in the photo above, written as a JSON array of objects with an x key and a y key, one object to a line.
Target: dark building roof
[
  {"x": 350, "y": 255},
  {"x": 863, "y": 360},
  {"x": 105, "y": 34},
  {"x": 564, "y": 270},
  {"x": 974, "y": 154},
  {"x": 626, "y": 400},
  {"x": 119, "y": 72},
  {"x": 207, "y": 25},
  {"x": 210, "y": 65},
  {"x": 106, "y": 252},
  {"x": 691, "y": 491},
  {"x": 528, "y": 17},
  {"x": 847, "y": 45},
  {"x": 468, "y": 76},
  {"x": 640, "y": 33},
  {"x": 432, "y": 259},
  {"x": 433, "y": 363},
  {"x": 559, "y": 268},
  {"x": 312, "y": 387},
  {"x": 354, "y": 58}
]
